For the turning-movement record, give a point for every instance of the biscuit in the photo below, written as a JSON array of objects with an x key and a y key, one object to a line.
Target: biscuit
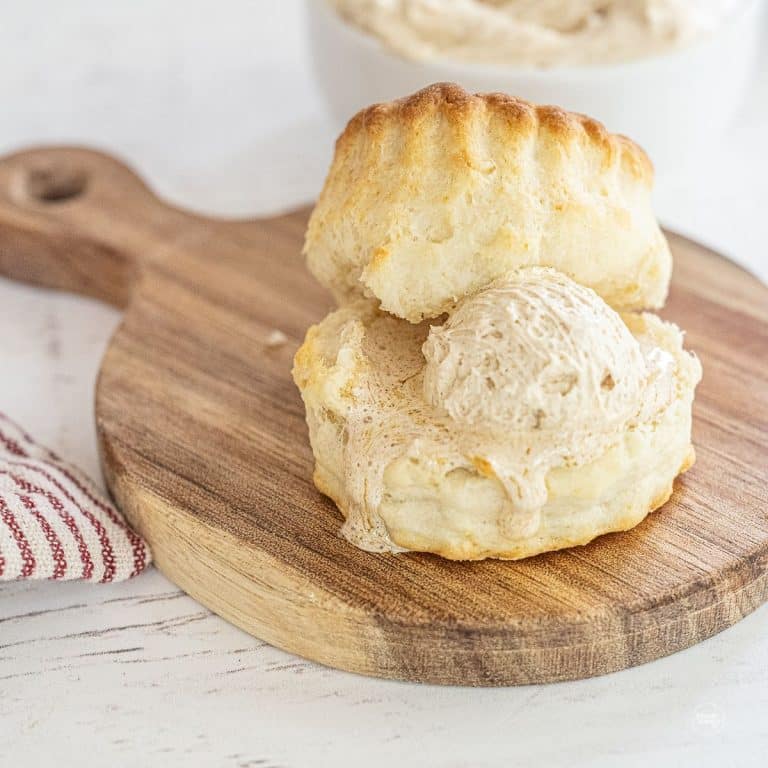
[
  {"x": 432, "y": 197},
  {"x": 409, "y": 473}
]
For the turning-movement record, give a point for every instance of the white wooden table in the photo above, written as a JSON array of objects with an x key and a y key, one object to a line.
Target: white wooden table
[{"x": 138, "y": 672}]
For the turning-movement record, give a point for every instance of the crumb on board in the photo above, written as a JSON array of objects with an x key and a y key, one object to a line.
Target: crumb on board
[{"x": 276, "y": 338}]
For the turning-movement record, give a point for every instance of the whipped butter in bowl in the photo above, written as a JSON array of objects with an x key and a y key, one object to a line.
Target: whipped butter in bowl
[
  {"x": 671, "y": 73},
  {"x": 535, "y": 33}
]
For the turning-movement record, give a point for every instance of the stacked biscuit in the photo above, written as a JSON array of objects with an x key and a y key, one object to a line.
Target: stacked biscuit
[{"x": 489, "y": 386}]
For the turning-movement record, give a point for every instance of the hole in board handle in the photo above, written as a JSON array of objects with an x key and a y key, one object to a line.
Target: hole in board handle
[{"x": 55, "y": 184}]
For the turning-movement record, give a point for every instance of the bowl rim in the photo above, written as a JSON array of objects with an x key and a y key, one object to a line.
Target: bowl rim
[{"x": 322, "y": 8}]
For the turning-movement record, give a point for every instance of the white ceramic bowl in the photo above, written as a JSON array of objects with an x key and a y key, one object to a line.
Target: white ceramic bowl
[{"x": 677, "y": 105}]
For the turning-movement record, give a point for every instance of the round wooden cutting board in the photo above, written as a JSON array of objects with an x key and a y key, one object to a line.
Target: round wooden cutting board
[{"x": 205, "y": 449}]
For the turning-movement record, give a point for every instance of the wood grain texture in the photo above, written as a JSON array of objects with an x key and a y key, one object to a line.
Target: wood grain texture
[{"x": 205, "y": 449}]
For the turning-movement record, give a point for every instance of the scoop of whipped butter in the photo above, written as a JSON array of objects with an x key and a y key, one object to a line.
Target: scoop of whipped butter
[
  {"x": 535, "y": 351},
  {"x": 534, "y": 32}
]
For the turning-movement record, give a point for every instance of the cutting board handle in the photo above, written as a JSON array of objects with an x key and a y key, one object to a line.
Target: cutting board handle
[{"x": 78, "y": 220}]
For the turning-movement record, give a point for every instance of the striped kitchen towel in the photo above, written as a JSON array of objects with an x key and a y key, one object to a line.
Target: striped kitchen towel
[{"x": 54, "y": 524}]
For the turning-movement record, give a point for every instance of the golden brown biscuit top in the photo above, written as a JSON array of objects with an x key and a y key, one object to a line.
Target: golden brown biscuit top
[{"x": 451, "y": 102}]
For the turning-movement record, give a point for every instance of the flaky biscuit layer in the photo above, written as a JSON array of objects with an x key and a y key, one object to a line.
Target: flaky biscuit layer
[
  {"x": 431, "y": 197},
  {"x": 403, "y": 481}
]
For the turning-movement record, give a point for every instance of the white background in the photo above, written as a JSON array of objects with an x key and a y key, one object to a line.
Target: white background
[{"x": 215, "y": 104}]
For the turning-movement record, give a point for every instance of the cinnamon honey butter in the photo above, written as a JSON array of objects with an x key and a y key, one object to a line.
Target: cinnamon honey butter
[{"x": 535, "y": 33}]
